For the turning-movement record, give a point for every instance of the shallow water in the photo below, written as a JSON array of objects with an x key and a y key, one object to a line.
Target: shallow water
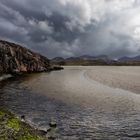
[{"x": 85, "y": 103}]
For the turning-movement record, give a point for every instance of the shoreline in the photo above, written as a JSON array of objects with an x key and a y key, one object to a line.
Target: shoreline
[
  {"x": 12, "y": 127},
  {"x": 21, "y": 128}
]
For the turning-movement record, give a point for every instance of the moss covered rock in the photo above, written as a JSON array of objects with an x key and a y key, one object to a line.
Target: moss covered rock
[{"x": 12, "y": 128}]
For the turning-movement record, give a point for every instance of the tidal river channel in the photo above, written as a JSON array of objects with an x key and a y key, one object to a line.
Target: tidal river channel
[{"x": 87, "y": 103}]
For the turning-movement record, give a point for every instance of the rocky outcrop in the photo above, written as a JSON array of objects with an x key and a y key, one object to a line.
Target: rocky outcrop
[{"x": 15, "y": 58}]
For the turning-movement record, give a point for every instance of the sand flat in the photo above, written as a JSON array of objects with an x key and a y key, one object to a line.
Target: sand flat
[{"x": 127, "y": 78}]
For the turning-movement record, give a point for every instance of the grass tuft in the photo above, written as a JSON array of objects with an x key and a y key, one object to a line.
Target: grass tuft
[{"x": 14, "y": 123}]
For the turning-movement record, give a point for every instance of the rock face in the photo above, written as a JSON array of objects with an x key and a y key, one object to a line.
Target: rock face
[{"x": 15, "y": 58}]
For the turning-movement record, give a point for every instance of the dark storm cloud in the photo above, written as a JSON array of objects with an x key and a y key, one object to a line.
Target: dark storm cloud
[{"x": 69, "y": 28}]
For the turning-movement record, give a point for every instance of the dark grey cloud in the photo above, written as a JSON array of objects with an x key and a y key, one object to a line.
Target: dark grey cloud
[{"x": 69, "y": 28}]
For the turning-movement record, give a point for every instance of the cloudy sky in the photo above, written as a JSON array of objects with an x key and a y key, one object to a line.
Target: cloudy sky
[{"x": 73, "y": 27}]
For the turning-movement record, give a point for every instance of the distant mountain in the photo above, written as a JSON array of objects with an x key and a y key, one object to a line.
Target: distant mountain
[
  {"x": 15, "y": 58},
  {"x": 126, "y": 59},
  {"x": 83, "y": 60},
  {"x": 96, "y": 60},
  {"x": 137, "y": 58},
  {"x": 88, "y": 57},
  {"x": 123, "y": 59},
  {"x": 104, "y": 57},
  {"x": 58, "y": 59}
]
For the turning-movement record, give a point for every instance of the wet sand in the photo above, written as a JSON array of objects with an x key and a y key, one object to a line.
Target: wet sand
[{"x": 127, "y": 78}]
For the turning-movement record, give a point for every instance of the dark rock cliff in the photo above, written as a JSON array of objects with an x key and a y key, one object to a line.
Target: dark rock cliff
[{"x": 15, "y": 58}]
